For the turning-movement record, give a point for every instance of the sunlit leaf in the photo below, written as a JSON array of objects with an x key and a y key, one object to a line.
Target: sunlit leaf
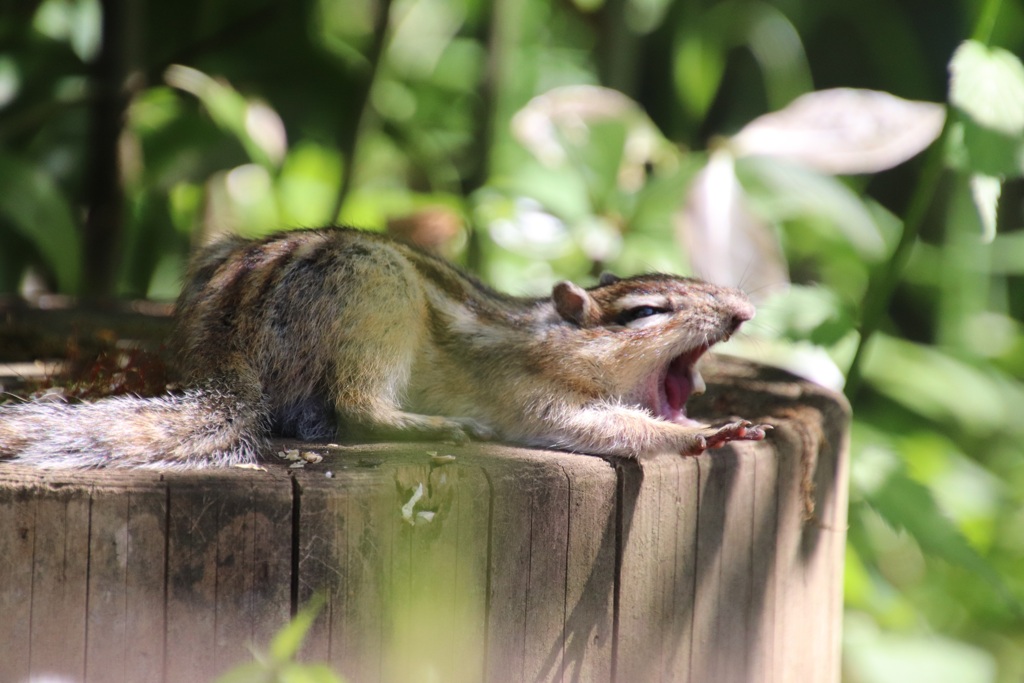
[
  {"x": 532, "y": 231},
  {"x": 727, "y": 243},
  {"x": 32, "y": 204},
  {"x": 843, "y": 131},
  {"x": 985, "y": 191},
  {"x": 79, "y": 23},
  {"x": 256, "y": 126},
  {"x": 10, "y": 80},
  {"x": 987, "y": 83},
  {"x": 556, "y": 126},
  {"x": 250, "y": 203},
  {"x": 421, "y": 32},
  {"x": 266, "y": 129},
  {"x": 563, "y": 114}
]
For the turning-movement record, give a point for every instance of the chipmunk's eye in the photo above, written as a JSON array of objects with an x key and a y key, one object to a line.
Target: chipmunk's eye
[{"x": 637, "y": 312}]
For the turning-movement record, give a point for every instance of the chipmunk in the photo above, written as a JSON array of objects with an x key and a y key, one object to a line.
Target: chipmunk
[{"x": 309, "y": 333}]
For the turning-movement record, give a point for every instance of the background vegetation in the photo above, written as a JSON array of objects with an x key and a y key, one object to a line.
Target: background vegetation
[{"x": 132, "y": 129}]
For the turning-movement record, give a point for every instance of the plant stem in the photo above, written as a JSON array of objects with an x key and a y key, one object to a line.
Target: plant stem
[
  {"x": 986, "y": 21},
  {"x": 351, "y": 137},
  {"x": 503, "y": 29},
  {"x": 881, "y": 287}
]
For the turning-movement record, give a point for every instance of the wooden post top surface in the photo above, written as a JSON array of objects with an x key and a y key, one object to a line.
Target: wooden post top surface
[{"x": 470, "y": 562}]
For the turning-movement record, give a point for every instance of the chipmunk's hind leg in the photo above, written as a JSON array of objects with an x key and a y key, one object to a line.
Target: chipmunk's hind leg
[
  {"x": 369, "y": 402},
  {"x": 372, "y": 368}
]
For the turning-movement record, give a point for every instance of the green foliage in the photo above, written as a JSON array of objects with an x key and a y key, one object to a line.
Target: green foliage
[
  {"x": 278, "y": 665},
  {"x": 34, "y": 207},
  {"x": 561, "y": 139}
]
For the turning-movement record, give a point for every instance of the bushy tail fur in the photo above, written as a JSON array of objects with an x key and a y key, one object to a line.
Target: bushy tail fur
[{"x": 202, "y": 427}]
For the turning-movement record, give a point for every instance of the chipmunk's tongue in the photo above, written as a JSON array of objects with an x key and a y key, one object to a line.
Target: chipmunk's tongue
[{"x": 682, "y": 380}]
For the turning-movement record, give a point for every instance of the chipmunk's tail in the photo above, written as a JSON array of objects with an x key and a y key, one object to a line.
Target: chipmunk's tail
[{"x": 202, "y": 427}]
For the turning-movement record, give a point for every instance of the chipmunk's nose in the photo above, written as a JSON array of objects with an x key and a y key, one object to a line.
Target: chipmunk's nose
[{"x": 743, "y": 312}]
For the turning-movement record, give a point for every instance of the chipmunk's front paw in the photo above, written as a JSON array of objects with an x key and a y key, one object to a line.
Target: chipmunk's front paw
[{"x": 716, "y": 437}]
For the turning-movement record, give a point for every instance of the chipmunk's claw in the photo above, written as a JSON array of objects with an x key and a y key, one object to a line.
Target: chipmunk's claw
[{"x": 716, "y": 437}]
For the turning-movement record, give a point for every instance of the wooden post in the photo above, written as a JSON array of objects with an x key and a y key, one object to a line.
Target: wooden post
[{"x": 502, "y": 564}]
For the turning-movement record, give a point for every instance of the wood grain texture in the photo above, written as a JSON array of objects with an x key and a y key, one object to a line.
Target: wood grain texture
[
  {"x": 125, "y": 619},
  {"x": 59, "y": 573},
  {"x": 229, "y": 557},
  {"x": 17, "y": 548},
  {"x": 497, "y": 564}
]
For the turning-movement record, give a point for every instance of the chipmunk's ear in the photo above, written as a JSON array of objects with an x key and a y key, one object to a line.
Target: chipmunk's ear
[
  {"x": 608, "y": 278},
  {"x": 575, "y": 304}
]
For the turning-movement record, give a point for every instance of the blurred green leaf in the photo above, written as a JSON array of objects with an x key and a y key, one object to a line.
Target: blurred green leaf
[
  {"x": 909, "y": 506},
  {"x": 287, "y": 641},
  {"x": 1008, "y": 254},
  {"x": 804, "y": 310},
  {"x": 308, "y": 184},
  {"x": 975, "y": 149},
  {"x": 35, "y": 207},
  {"x": 563, "y": 192},
  {"x": 10, "y": 80},
  {"x": 602, "y": 135},
  {"x": 776, "y": 45},
  {"x": 598, "y": 162},
  {"x": 644, "y": 16},
  {"x": 697, "y": 68},
  {"x": 75, "y": 21},
  {"x": 250, "y": 672},
  {"x": 704, "y": 42},
  {"x": 881, "y": 656},
  {"x": 662, "y": 195},
  {"x": 308, "y": 673},
  {"x": 254, "y": 124},
  {"x": 944, "y": 389},
  {"x": 987, "y": 83},
  {"x": 784, "y": 191}
]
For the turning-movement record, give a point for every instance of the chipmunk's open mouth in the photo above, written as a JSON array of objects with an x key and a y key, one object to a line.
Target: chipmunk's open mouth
[{"x": 679, "y": 381}]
